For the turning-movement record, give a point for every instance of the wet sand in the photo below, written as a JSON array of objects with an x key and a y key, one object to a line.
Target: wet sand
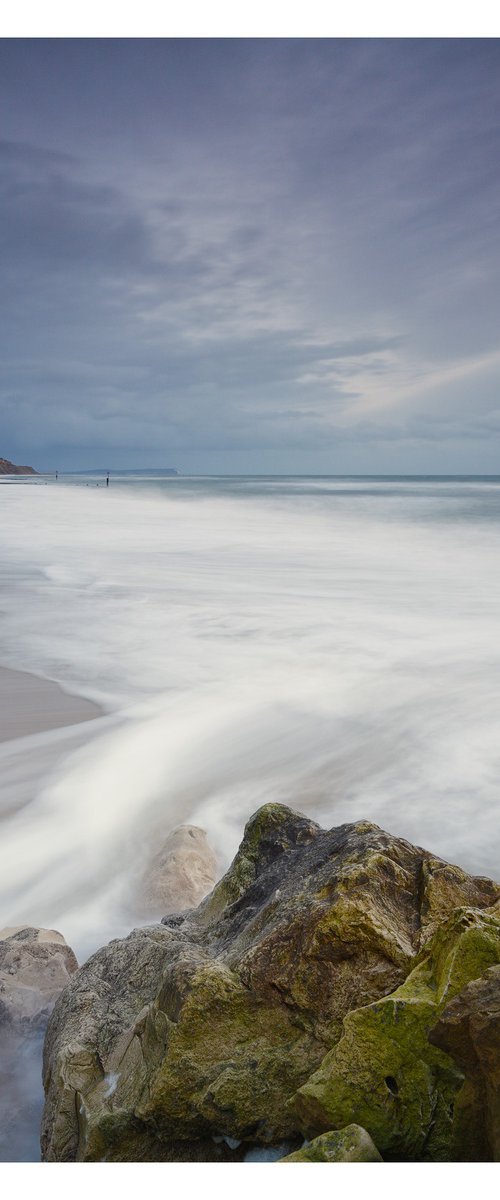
[{"x": 30, "y": 704}]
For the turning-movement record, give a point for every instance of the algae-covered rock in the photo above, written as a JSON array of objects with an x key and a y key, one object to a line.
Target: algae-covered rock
[
  {"x": 384, "y": 1074},
  {"x": 469, "y": 1030},
  {"x": 352, "y": 1144},
  {"x": 206, "y": 1026}
]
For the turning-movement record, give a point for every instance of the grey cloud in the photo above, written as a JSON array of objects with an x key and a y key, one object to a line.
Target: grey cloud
[
  {"x": 233, "y": 244},
  {"x": 49, "y": 217}
]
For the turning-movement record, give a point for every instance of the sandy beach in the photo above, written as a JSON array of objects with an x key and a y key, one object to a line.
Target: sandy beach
[{"x": 30, "y": 704}]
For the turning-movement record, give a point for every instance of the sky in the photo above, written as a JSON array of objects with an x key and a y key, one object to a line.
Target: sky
[{"x": 250, "y": 255}]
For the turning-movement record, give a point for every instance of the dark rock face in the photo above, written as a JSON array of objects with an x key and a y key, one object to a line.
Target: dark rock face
[
  {"x": 205, "y": 1027},
  {"x": 469, "y": 1031}
]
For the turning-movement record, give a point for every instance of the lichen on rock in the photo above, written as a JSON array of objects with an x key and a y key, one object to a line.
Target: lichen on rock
[
  {"x": 352, "y": 1144},
  {"x": 384, "y": 1073},
  {"x": 469, "y": 1031}
]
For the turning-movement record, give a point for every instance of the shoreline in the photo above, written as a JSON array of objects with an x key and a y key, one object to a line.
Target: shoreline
[{"x": 30, "y": 704}]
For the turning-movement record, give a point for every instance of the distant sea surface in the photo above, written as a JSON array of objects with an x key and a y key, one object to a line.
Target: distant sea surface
[{"x": 328, "y": 643}]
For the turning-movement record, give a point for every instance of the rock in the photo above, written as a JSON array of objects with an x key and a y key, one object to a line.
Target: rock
[
  {"x": 384, "y": 1073},
  {"x": 35, "y": 965},
  {"x": 180, "y": 875},
  {"x": 445, "y": 887},
  {"x": 205, "y": 1027},
  {"x": 352, "y": 1144},
  {"x": 469, "y": 1030}
]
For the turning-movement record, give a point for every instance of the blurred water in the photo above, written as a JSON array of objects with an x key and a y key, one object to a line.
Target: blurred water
[
  {"x": 21, "y": 1096},
  {"x": 328, "y": 643}
]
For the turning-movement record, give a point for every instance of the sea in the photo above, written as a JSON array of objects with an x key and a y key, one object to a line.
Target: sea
[{"x": 329, "y": 643}]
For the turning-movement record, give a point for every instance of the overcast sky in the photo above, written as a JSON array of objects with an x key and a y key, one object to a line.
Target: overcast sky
[{"x": 271, "y": 255}]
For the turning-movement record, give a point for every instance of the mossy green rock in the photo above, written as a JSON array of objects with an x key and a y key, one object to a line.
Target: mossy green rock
[
  {"x": 469, "y": 1030},
  {"x": 206, "y": 1026},
  {"x": 352, "y": 1144},
  {"x": 384, "y": 1074}
]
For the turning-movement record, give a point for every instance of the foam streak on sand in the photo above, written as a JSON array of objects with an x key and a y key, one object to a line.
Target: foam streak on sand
[{"x": 329, "y": 646}]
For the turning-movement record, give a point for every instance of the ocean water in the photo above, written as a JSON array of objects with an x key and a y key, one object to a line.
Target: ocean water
[{"x": 329, "y": 643}]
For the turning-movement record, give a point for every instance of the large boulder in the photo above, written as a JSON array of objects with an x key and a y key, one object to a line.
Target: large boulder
[
  {"x": 200, "y": 1031},
  {"x": 469, "y": 1030}
]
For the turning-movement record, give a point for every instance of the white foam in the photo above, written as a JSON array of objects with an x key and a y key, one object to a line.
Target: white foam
[
  {"x": 339, "y": 656},
  {"x": 111, "y": 1082}
]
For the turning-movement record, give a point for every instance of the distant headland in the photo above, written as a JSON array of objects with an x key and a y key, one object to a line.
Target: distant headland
[
  {"x": 126, "y": 471},
  {"x": 9, "y": 468}
]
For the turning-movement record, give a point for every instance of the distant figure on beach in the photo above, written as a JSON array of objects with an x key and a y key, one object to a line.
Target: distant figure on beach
[
  {"x": 56, "y": 474},
  {"x": 107, "y": 479}
]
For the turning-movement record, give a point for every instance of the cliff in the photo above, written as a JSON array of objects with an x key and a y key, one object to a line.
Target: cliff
[{"x": 9, "y": 468}]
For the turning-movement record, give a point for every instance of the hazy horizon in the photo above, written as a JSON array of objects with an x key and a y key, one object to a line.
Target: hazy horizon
[{"x": 173, "y": 472}]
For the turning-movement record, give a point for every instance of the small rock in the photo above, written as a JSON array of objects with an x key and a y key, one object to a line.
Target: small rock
[
  {"x": 180, "y": 875},
  {"x": 35, "y": 965},
  {"x": 352, "y": 1144}
]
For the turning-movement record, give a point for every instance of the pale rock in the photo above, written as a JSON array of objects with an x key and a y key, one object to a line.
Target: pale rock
[
  {"x": 35, "y": 965},
  {"x": 180, "y": 875}
]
